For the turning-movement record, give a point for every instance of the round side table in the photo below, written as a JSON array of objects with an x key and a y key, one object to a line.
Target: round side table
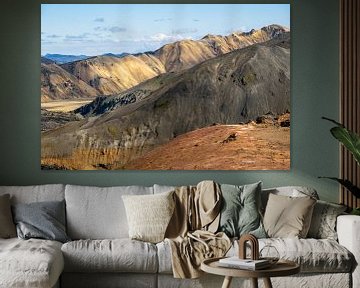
[{"x": 281, "y": 268}]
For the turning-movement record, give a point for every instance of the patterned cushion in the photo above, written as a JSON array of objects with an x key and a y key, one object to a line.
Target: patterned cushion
[{"x": 323, "y": 223}]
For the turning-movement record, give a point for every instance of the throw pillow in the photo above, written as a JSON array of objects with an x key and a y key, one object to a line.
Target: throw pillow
[
  {"x": 7, "y": 227},
  {"x": 240, "y": 213},
  {"x": 149, "y": 215},
  {"x": 323, "y": 222},
  {"x": 288, "y": 217},
  {"x": 43, "y": 220}
]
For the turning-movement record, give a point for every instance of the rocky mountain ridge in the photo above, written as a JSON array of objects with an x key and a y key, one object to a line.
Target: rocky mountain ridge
[{"x": 111, "y": 74}]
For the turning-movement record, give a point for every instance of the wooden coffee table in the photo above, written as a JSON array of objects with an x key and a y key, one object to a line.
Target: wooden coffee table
[{"x": 281, "y": 268}]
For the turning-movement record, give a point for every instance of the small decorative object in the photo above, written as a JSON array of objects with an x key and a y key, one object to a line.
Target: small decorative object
[
  {"x": 254, "y": 246},
  {"x": 270, "y": 253}
]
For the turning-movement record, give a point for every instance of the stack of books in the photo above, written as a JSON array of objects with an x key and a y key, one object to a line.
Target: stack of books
[{"x": 248, "y": 264}]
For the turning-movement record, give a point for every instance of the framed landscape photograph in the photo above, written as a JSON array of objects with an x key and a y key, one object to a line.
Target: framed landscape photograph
[{"x": 165, "y": 86}]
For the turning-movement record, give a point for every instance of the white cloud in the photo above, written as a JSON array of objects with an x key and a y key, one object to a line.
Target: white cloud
[
  {"x": 161, "y": 37},
  {"x": 116, "y": 29}
]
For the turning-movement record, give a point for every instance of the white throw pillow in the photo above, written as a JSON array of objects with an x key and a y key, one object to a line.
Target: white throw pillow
[{"x": 149, "y": 215}]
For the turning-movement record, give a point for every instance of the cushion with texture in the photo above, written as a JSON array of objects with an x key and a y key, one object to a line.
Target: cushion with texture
[
  {"x": 43, "y": 220},
  {"x": 31, "y": 263},
  {"x": 240, "y": 213},
  {"x": 149, "y": 215},
  {"x": 7, "y": 226},
  {"x": 323, "y": 222},
  {"x": 287, "y": 217},
  {"x": 313, "y": 255},
  {"x": 110, "y": 255}
]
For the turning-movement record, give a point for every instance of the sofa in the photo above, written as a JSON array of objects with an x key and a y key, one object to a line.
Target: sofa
[{"x": 100, "y": 253}]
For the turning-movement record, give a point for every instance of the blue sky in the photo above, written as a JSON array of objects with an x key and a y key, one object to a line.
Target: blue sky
[{"x": 95, "y": 29}]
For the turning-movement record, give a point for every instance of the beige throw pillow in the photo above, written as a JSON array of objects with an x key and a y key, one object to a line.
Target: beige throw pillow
[
  {"x": 149, "y": 215},
  {"x": 288, "y": 217},
  {"x": 7, "y": 226}
]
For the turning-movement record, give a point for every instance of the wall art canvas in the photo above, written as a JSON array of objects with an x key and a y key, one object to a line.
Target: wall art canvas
[{"x": 165, "y": 87}]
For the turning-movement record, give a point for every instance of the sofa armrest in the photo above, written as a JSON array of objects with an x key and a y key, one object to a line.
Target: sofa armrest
[{"x": 348, "y": 230}]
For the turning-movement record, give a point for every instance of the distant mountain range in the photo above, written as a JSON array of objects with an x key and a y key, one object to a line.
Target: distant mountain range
[
  {"x": 181, "y": 87},
  {"x": 111, "y": 73},
  {"x": 62, "y": 59}
]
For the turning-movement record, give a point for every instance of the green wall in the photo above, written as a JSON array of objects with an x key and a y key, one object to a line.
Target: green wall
[{"x": 314, "y": 87}]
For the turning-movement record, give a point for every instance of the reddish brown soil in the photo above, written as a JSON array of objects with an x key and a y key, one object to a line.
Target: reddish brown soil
[{"x": 222, "y": 147}]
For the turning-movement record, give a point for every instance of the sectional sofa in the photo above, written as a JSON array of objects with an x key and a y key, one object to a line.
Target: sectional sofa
[{"x": 101, "y": 254}]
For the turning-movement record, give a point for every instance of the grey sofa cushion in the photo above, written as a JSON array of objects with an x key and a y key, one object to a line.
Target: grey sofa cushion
[
  {"x": 117, "y": 255},
  {"x": 98, "y": 213},
  {"x": 43, "y": 220},
  {"x": 30, "y": 263},
  {"x": 108, "y": 280},
  {"x": 35, "y": 193},
  {"x": 313, "y": 255}
]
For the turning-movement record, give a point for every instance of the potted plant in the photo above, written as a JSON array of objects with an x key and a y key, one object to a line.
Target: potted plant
[{"x": 351, "y": 141}]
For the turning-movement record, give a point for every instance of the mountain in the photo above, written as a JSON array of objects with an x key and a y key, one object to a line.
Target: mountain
[
  {"x": 47, "y": 61},
  {"x": 113, "y": 74},
  {"x": 187, "y": 53},
  {"x": 60, "y": 58},
  {"x": 228, "y": 89},
  {"x": 56, "y": 84},
  {"x": 109, "y": 75},
  {"x": 116, "y": 55}
]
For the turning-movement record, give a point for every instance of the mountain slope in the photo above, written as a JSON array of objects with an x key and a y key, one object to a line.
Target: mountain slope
[
  {"x": 56, "y": 84},
  {"x": 231, "y": 88},
  {"x": 110, "y": 75}
]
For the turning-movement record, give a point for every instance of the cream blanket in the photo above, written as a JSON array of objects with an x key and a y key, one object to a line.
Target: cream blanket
[{"x": 191, "y": 231}]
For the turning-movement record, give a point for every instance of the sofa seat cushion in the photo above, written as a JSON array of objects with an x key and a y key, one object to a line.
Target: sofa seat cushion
[
  {"x": 313, "y": 255},
  {"x": 115, "y": 255},
  {"x": 30, "y": 263}
]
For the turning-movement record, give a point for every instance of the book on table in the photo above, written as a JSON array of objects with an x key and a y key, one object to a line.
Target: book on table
[{"x": 236, "y": 262}]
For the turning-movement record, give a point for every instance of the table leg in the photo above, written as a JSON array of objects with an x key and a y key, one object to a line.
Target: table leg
[
  {"x": 267, "y": 283},
  {"x": 254, "y": 282},
  {"x": 227, "y": 282}
]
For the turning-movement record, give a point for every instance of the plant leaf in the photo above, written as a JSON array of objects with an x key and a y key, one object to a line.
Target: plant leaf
[
  {"x": 348, "y": 138},
  {"x": 347, "y": 184}
]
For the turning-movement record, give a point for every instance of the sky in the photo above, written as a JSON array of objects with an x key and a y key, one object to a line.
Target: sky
[{"x": 96, "y": 29}]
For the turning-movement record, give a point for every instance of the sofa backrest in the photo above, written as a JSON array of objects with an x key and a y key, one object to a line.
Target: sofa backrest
[
  {"x": 98, "y": 213},
  {"x": 36, "y": 193}
]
